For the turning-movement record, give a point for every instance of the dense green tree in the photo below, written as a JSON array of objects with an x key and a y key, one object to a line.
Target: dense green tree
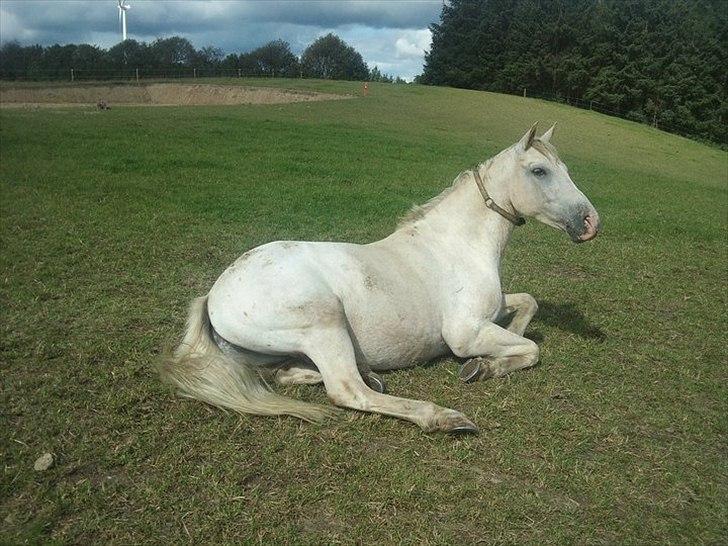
[
  {"x": 58, "y": 57},
  {"x": 17, "y": 61},
  {"x": 329, "y": 57},
  {"x": 88, "y": 57},
  {"x": 209, "y": 56},
  {"x": 375, "y": 75},
  {"x": 656, "y": 61},
  {"x": 172, "y": 52},
  {"x": 130, "y": 53},
  {"x": 248, "y": 64},
  {"x": 276, "y": 59},
  {"x": 231, "y": 61}
]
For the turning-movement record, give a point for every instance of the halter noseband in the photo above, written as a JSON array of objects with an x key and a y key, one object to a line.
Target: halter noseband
[{"x": 492, "y": 205}]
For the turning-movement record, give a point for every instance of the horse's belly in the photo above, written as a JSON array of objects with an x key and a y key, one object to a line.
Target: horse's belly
[
  {"x": 391, "y": 355},
  {"x": 393, "y": 340}
]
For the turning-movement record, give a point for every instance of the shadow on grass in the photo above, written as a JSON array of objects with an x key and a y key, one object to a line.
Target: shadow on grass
[{"x": 567, "y": 317}]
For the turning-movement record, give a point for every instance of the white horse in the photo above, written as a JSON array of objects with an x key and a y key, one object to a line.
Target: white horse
[{"x": 337, "y": 312}]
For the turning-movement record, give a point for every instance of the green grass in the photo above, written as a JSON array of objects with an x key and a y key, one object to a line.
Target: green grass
[{"x": 112, "y": 221}]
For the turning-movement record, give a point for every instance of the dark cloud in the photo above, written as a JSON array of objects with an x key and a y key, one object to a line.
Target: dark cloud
[
  {"x": 388, "y": 33},
  {"x": 41, "y": 17}
]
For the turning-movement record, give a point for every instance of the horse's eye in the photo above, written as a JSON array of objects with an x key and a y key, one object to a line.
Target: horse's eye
[{"x": 538, "y": 171}]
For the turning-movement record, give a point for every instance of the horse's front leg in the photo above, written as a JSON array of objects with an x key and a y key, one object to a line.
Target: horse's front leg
[
  {"x": 496, "y": 350},
  {"x": 518, "y": 310}
]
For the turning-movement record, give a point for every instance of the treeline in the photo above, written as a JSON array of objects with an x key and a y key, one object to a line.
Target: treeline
[
  {"x": 329, "y": 57},
  {"x": 661, "y": 62}
]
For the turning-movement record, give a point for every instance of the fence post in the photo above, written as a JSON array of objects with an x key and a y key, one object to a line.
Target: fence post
[
  {"x": 591, "y": 104},
  {"x": 72, "y": 76},
  {"x": 240, "y": 73},
  {"x": 194, "y": 72},
  {"x": 136, "y": 73},
  {"x": 524, "y": 92}
]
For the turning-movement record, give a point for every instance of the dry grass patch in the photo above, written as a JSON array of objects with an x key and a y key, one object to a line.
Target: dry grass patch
[{"x": 156, "y": 94}]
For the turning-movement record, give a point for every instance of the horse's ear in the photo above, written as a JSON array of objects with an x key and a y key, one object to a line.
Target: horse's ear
[
  {"x": 546, "y": 137},
  {"x": 527, "y": 139}
]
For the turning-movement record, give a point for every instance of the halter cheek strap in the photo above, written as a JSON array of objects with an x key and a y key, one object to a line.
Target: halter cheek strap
[{"x": 492, "y": 205}]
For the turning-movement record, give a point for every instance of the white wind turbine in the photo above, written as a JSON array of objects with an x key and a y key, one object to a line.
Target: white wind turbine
[{"x": 123, "y": 8}]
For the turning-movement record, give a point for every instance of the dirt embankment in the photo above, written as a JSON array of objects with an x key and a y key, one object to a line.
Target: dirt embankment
[{"x": 158, "y": 94}]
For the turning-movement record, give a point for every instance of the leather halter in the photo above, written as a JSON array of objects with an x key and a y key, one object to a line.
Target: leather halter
[{"x": 492, "y": 205}]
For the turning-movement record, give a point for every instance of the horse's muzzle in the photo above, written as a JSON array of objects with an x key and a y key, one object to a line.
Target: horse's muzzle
[
  {"x": 591, "y": 227},
  {"x": 584, "y": 226}
]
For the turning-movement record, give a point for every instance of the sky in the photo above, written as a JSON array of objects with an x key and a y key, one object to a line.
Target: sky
[{"x": 390, "y": 34}]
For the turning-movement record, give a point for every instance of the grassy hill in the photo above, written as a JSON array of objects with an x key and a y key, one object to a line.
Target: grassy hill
[{"x": 112, "y": 221}]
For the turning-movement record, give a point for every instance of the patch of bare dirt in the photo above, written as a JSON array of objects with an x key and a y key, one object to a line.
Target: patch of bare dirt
[{"x": 156, "y": 94}]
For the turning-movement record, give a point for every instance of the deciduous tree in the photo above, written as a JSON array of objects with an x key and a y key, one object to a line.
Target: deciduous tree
[{"x": 331, "y": 58}]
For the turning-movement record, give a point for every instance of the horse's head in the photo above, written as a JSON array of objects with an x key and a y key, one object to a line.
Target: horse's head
[{"x": 541, "y": 187}]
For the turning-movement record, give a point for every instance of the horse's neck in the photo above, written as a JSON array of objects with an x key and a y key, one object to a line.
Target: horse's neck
[{"x": 462, "y": 224}]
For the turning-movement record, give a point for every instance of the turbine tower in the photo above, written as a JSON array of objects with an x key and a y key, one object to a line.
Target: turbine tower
[{"x": 123, "y": 8}]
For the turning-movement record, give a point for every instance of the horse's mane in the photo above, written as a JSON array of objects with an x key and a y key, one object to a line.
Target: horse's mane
[
  {"x": 545, "y": 149},
  {"x": 418, "y": 211}
]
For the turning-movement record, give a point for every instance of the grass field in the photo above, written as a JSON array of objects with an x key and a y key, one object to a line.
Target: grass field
[{"x": 112, "y": 221}]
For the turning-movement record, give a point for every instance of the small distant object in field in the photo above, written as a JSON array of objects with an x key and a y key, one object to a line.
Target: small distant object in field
[
  {"x": 44, "y": 462},
  {"x": 102, "y": 105},
  {"x": 366, "y": 89}
]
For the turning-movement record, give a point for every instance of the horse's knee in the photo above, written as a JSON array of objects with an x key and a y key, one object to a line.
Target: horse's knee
[
  {"x": 530, "y": 303},
  {"x": 525, "y": 303},
  {"x": 532, "y": 353}
]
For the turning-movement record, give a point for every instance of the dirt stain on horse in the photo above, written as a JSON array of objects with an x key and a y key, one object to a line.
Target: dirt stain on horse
[
  {"x": 370, "y": 283},
  {"x": 249, "y": 254}
]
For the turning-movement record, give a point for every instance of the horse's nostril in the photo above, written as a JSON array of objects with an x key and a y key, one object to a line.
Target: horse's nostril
[{"x": 591, "y": 227}]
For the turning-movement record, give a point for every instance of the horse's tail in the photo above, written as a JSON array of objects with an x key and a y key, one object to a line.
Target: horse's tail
[{"x": 199, "y": 369}]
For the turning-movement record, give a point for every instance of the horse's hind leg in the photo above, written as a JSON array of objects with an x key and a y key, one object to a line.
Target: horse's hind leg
[
  {"x": 332, "y": 351},
  {"x": 521, "y": 308},
  {"x": 305, "y": 373},
  {"x": 300, "y": 373}
]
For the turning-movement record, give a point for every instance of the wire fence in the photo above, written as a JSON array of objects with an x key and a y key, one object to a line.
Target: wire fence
[
  {"x": 609, "y": 110},
  {"x": 137, "y": 74}
]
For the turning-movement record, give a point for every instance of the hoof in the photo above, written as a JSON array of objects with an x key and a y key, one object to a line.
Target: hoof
[
  {"x": 375, "y": 382},
  {"x": 470, "y": 428},
  {"x": 455, "y": 422},
  {"x": 470, "y": 371},
  {"x": 475, "y": 369}
]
